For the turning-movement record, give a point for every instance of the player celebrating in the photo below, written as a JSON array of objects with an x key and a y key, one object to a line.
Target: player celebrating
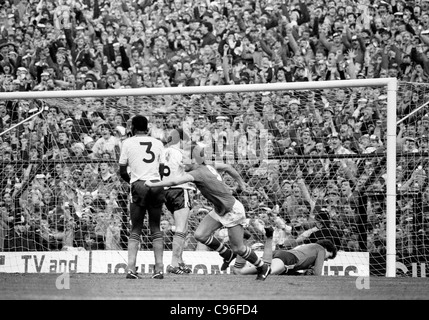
[
  {"x": 228, "y": 211},
  {"x": 177, "y": 198},
  {"x": 305, "y": 259},
  {"x": 143, "y": 156}
]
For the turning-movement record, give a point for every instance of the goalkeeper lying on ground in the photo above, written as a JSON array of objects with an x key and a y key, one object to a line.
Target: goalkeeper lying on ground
[{"x": 305, "y": 259}]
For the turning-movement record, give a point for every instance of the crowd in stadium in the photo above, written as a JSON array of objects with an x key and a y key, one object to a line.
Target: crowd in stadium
[{"x": 94, "y": 44}]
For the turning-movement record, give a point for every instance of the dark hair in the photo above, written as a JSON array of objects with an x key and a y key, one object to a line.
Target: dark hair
[
  {"x": 323, "y": 217},
  {"x": 99, "y": 114},
  {"x": 54, "y": 107},
  {"x": 329, "y": 246},
  {"x": 139, "y": 123},
  {"x": 208, "y": 25}
]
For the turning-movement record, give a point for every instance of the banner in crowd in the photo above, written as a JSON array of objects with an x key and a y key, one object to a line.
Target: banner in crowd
[{"x": 201, "y": 262}]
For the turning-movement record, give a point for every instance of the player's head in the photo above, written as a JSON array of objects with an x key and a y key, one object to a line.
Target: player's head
[
  {"x": 330, "y": 248},
  {"x": 196, "y": 157},
  {"x": 139, "y": 123},
  {"x": 177, "y": 136}
]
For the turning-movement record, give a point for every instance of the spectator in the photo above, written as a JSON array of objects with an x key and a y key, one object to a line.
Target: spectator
[
  {"x": 101, "y": 224},
  {"x": 19, "y": 239},
  {"x": 106, "y": 144},
  {"x": 78, "y": 152},
  {"x": 168, "y": 232},
  {"x": 113, "y": 233},
  {"x": 105, "y": 175},
  {"x": 84, "y": 229},
  {"x": 67, "y": 239},
  {"x": 4, "y": 226},
  {"x": 296, "y": 203}
]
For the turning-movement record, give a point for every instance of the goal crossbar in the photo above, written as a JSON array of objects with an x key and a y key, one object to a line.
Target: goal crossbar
[{"x": 200, "y": 89}]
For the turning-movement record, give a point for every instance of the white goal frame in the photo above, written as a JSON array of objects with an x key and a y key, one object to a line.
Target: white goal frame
[{"x": 390, "y": 83}]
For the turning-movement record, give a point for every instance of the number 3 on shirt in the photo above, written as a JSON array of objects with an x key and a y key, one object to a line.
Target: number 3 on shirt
[
  {"x": 213, "y": 170},
  {"x": 148, "y": 146}
]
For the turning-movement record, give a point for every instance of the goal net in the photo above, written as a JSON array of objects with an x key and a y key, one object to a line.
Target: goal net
[{"x": 316, "y": 156}]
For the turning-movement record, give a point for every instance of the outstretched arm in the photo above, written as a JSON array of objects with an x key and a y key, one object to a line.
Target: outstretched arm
[
  {"x": 223, "y": 167},
  {"x": 171, "y": 181}
]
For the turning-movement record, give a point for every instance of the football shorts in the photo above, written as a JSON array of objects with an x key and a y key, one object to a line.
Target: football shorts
[
  {"x": 236, "y": 216},
  {"x": 176, "y": 199}
]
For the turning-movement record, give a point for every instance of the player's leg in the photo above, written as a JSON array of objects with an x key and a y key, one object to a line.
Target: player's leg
[
  {"x": 137, "y": 214},
  {"x": 235, "y": 234},
  {"x": 178, "y": 202},
  {"x": 282, "y": 259},
  {"x": 247, "y": 269},
  {"x": 234, "y": 221},
  {"x": 267, "y": 256},
  {"x": 215, "y": 221},
  {"x": 243, "y": 268},
  {"x": 156, "y": 202},
  {"x": 157, "y": 238},
  {"x": 182, "y": 263},
  {"x": 277, "y": 266},
  {"x": 181, "y": 217},
  {"x": 204, "y": 234},
  {"x": 239, "y": 261}
]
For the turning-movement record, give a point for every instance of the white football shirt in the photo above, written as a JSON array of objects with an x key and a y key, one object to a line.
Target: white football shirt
[
  {"x": 143, "y": 155},
  {"x": 173, "y": 165}
]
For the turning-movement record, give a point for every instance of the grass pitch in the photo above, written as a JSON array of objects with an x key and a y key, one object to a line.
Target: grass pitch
[{"x": 31, "y": 286}]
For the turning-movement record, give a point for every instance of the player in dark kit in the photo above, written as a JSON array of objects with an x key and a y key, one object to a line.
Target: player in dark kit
[
  {"x": 305, "y": 259},
  {"x": 143, "y": 156},
  {"x": 228, "y": 211}
]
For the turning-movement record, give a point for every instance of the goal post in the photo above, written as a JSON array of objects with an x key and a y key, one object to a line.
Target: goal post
[
  {"x": 391, "y": 179},
  {"x": 388, "y": 85}
]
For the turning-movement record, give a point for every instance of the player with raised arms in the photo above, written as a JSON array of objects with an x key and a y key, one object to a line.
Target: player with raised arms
[
  {"x": 142, "y": 156},
  {"x": 227, "y": 211}
]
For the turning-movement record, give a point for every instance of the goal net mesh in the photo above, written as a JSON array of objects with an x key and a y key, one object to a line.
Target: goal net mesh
[{"x": 312, "y": 159}]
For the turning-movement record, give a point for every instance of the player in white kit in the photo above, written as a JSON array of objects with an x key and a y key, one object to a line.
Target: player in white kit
[
  {"x": 177, "y": 198},
  {"x": 142, "y": 156}
]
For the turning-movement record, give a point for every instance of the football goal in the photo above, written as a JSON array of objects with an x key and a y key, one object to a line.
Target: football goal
[{"x": 346, "y": 156}]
